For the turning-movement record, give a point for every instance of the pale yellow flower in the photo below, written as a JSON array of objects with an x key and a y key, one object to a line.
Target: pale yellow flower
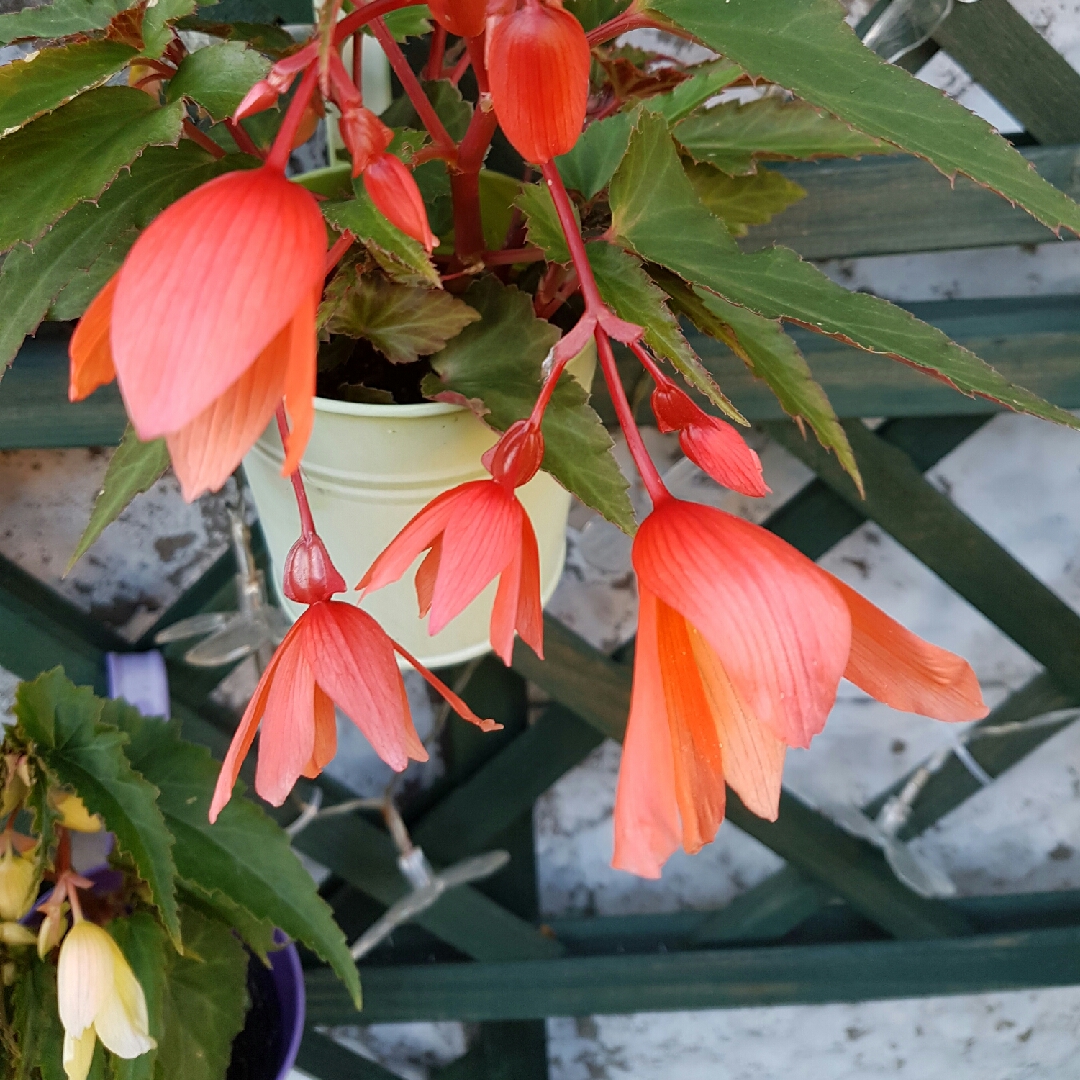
[
  {"x": 13, "y": 933},
  {"x": 18, "y": 883},
  {"x": 99, "y": 998}
]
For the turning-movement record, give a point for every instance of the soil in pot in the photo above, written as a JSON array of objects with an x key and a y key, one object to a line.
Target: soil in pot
[{"x": 259, "y": 1050}]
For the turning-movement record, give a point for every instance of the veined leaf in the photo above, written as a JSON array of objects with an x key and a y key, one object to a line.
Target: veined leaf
[
  {"x": 409, "y": 22},
  {"x": 244, "y": 855},
  {"x": 257, "y": 934},
  {"x": 450, "y": 107},
  {"x": 591, "y": 13},
  {"x": 134, "y": 468},
  {"x": 218, "y": 77},
  {"x": 497, "y": 194},
  {"x": 74, "y": 153},
  {"x": 680, "y": 234},
  {"x": 204, "y": 1002},
  {"x": 634, "y": 296},
  {"x": 30, "y": 279},
  {"x": 770, "y": 355},
  {"x": 402, "y": 321},
  {"x": 49, "y": 78},
  {"x": 265, "y": 37},
  {"x": 59, "y": 19},
  {"x": 707, "y": 81},
  {"x": 146, "y": 948},
  {"x": 542, "y": 222},
  {"x": 739, "y": 201},
  {"x": 36, "y": 1021},
  {"x": 589, "y": 167},
  {"x": 479, "y": 366},
  {"x": 806, "y": 46},
  {"x": 399, "y": 255},
  {"x": 64, "y": 722},
  {"x": 732, "y": 136},
  {"x": 156, "y": 31}
]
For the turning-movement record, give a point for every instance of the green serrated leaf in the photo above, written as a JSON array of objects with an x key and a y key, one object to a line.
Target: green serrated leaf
[
  {"x": 732, "y": 136},
  {"x": 90, "y": 241},
  {"x": 542, "y": 222},
  {"x": 146, "y": 948},
  {"x": 156, "y": 29},
  {"x": 218, "y": 77},
  {"x": 75, "y": 297},
  {"x": 269, "y": 39},
  {"x": 64, "y": 723},
  {"x": 740, "y": 201},
  {"x": 49, "y": 78},
  {"x": 772, "y": 356},
  {"x": 408, "y": 22},
  {"x": 450, "y": 107},
  {"x": 134, "y": 468},
  {"x": 706, "y": 82},
  {"x": 74, "y": 153},
  {"x": 204, "y": 1003},
  {"x": 806, "y": 46},
  {"x": 244, "y": 855},
  {"x": 591, "y": 13},
  {"x": 403, "y": 259},
  {"x": 36, "y": 1021},
  {"x": 589, "y": 167},
  {"x": 478, "y": 366},
  {"x": 59, "y": 19},
  {"x": 335, "y": 181},
  {"x": 257, "y": 934},
  {"x": 403, "y": 322},
  {"x": 634, "y": 296},
  {"x": 677, "y": 232},
  {"x": 497, "y": 195}
]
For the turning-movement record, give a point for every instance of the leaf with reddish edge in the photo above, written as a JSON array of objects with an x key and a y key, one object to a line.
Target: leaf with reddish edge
[
  {"x": 678, "y": 233},
  {"x": 705, "y": 82},
  {"x": 218, "y": 77},
  {"x": 805, "y": 46},
  {"x": 476, "y": 365},
  {"x": 740, "y": 201},
  {"x": 61, "y": 18},
  {"x": 542, "y": 222}
]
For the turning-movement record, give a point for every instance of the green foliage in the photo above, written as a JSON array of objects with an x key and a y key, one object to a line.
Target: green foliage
[
  {"x": 269, "y": 39},
  {"x": 63, "y": 722},
  {"x": 146, "y": 948},
  {"x": 135, "y": 467},
  {"x": 400, "y": 256},
  {"x": 542, "y": 222},
  {"x": 680, "y": 234},
  {"x": 706, "y": 82},
  {"x": 244, "y": 857},
  {"x": 204, "y": 1002},
  {"x": 82, "y": 250},
  {"x": 402, "y": 321},
  {"x": 497, "y": 195},
  {"x": 36, "y": 1019},
  {"x": 74, "y": 153},
  {"x": 589, "y": 167},
  {"x": 494, "y": 366},
  {"x": 58, "y": 19},
  {"x": 739, "y": 201},
  {"x": 218, "y": 77},
  {"x": 805, "y": 46},
  {"x": 156, "y": 31},
  {"x": 732, "y": 136},
  {"x": 49, "y": 78},
  {"x": 634, "y": 297},
  {"x": 591, "y": 13},
  {"x": 408, "y": 22},
  {"x": 450, "y": 107}
]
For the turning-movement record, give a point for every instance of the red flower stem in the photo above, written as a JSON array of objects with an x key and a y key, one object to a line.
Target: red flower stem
[
  {"x": 634, "y": 442},
  {"x": 469, "y": 240},
  {"x": 307, "y": 522},
  {"x": 594, "y": 302},
  {"x": 203, "y": 140},
  {"x": 358, "y": 62},
  {"x": 433, "y": 67},
  {"x": 166, "y": 71},
  {"x": 73, "y": 899},
  {"x": 364, "y": 14},
  {"x": 341, "y": 245},
  {"x": 649, "y": 364},
  {"x": 243, "y": 139},
  {"x": 63, "y": 852},
  {"x": 278, "y": 157},
  {"x": 633, "y": 20},
  {"x": 460, "y": 68},
  {"x": 474, "y": 50},
  {"x": 514, "y": 255},
  {"x": 411, "y": 84}
]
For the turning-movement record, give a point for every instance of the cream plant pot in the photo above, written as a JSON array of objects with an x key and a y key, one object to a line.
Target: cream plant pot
[{"x": 368, "y": 469}]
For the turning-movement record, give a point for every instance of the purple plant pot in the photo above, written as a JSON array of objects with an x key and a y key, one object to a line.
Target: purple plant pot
[{"x": 288, "y": 979}]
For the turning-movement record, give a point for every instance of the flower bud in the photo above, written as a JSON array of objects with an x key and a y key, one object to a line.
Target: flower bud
[
  {"x": 18, "y": 882},
  {"x": 538, "y": 66},
  {"x": 74, "y": 815},
  {"x": 259, "y": 98},
  {"x": 365, "y": 136},
  {"x": 465, "y": 18},
  {"x": 712, "y": 445},
  {"x": 393, "y": 190},
  {"x": 13, "y": 933},
  {"x": 52, "y": 929},
  {"x": 515, "y": 459},
  {"x": 309, "y": 575}
]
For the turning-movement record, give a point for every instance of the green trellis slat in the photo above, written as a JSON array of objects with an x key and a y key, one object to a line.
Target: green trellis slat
[{"x": 322, "y": 1057}]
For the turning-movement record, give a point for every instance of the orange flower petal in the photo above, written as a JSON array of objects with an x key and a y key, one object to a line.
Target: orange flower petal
[
  {"x": 455, "y": 702},
  {"x": 517, "y": 602},
  {"x": 900, "y": 669},
  {"x": 647, "y": 827},
  {"x": 777, "y": 621},
  {"x": 300, "y": 383},
  {"x": 465, "y": 18},
  {"x": 325, "y": 735},
  {"x": 89, "y": 349},
  {"x": 426, "y": 574},
  {"x": 207, "y": 287},
  {"x": 394, "y": 191}
]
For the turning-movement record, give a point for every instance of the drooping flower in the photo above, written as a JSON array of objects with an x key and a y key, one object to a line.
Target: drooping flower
[
  {"x": 538, "y": 62},
  {"x": 742, "y": 642},
  {"x": 18, "y": 876},
  {"x": 333, "y": 654},
  {"x": 211, "y": 321},
  {"x": 472, "y": 534},
  {"x": 397, "y": 197},
  {"x": 465, "y": 18},
  {"x": 712, "y": 445},
  {"x": 99, "y": 998}
]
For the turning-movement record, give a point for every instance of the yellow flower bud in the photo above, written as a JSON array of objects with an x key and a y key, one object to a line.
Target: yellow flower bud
[
  {"x": 75, "y": 816},
  {"x": 52, "y": 929},
  {"x": 99, "y": 997},
  {"x": 18, "y": 882},
  {"x": 13, "y": 933}
]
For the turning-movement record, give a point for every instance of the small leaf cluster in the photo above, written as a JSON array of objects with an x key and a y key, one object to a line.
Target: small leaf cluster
[{"x": 190, "y": 904}]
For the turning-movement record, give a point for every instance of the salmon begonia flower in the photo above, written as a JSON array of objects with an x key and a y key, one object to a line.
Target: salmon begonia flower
[
  {"x": 742, "y": 642},
  {"x": 211, "y": 321},
  {"x": 472, "y": 534},
  {"x": 333, "y": 654},
  {"x": 465, "y": 18}
]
